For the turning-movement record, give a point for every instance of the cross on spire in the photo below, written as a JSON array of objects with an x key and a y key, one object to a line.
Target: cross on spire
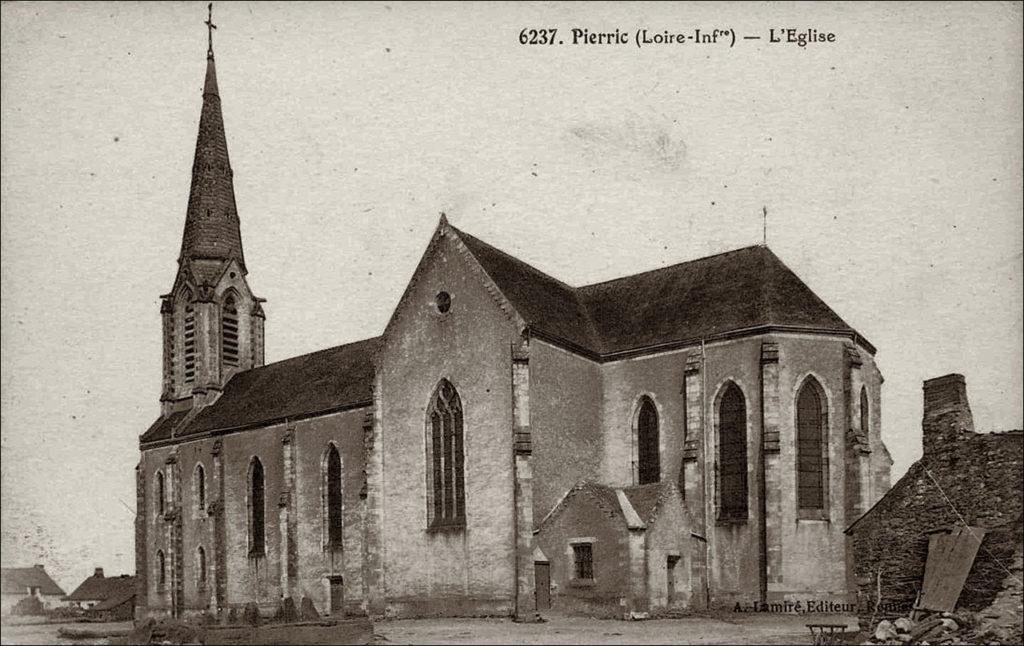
[
  {"x": 764, "y": 226},
  {"x": 209, "y": 29}
]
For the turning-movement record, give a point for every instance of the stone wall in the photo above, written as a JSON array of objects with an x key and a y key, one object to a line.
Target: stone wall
[
  {"x": 979, "y": 474},
  {"x": 565, "y": 417},
  {"x": 449, "y": 571},
  {"x": 583, "y": 518},
  {"x": 670, "y": 533},
  {"x": 295, "y": 563},
  {"x": 805, "y": 558}
]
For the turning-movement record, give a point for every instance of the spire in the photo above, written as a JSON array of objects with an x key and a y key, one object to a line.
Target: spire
[{"x": 211, "y": 221}]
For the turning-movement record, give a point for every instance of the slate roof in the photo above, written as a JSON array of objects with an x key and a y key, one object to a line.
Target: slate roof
[
  {"x": 310, "y": 384},
  {"x": 995, "y": 441},
  {"x": 212, "y": 229},
  {"x": 540, "y": 299},
  {"x": 123, "y": 596},
  {"x": 603, "y": 495},
  {"x": 17, "y": 580},
  {"x": 645, "y": 499},
  {"x": 162, "y": 428},
  {"x": 102, "y": 588},
  {"x": 708, "y": 297}
]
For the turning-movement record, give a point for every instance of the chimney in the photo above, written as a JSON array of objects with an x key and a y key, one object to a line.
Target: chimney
[
  {"x": 98, "y": 573},
  {"x": 947, "y": 414}
]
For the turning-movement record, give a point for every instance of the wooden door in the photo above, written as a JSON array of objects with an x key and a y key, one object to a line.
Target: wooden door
[
  {"x": 542, "y": 577},
  {"x": 337, "y": 596},
  {"x": 670, "y": 574}
]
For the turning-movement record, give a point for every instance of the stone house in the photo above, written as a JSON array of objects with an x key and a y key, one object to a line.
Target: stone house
[
  {"x": 403, "y": 474},
  {"x": 18, "y": 583},
  {"x": 97, "y": 589},
  {"x": 963, "y": 478}
]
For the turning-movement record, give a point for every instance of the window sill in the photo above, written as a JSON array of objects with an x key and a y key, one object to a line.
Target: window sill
[
  {"x": 447, "y": 526},
  {"x": 582, "y": 583},
  {"x": 731, "y": 521},
  {"x": 253, "y": 554},
  {"x": 812, "y": 514}
]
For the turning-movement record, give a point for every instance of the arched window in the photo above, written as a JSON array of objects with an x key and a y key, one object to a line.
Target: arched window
[
  {"x": 865, "y": 418},
  {"x": 161, "y": 569},
  {"x": 190, "y": 344},
  {"x": 447, "y": 486},
  {"x": 732, "y": 454},
  {"x": 647, "y": 443},
  {"x": 257, "y": 511},
  {"x": 333, "y": 507},
  {"x": 199, "y": 477},
  {"x": 229, "y": 332},
  {"x": 810, "y": 447},
  {"x": 200, "y": 567},
  {"x": 160, "y": 492}
]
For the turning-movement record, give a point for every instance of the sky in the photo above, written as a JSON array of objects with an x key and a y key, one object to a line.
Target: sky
[{"x": 889, "y": 162}]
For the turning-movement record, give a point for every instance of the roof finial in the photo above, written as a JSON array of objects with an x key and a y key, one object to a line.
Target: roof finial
[
  {"x": 764, "y": 227},
  {"x": 209, "y": 31}
]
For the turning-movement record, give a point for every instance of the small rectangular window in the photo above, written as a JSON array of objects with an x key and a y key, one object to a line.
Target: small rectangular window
[{"x": 583, "y": 559}]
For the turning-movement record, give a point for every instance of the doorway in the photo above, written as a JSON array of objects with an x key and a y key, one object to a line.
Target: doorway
[
  {"x": 670, "y": 575},
  {"x": 542, "y": 578},
  {"x": 337, "y": 595}
]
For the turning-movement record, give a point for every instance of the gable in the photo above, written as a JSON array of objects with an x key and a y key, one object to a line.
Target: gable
[
  {"x": 448, "y": 266},
  {"x": 19, "y": 580},
  {"x": 614, "y": 503}
]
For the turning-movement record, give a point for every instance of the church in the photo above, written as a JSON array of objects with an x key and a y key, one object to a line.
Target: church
[{"x": 694, "y": 436}]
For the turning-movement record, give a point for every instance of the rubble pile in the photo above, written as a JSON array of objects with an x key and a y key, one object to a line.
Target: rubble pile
[{"x": 944, "y": 628}]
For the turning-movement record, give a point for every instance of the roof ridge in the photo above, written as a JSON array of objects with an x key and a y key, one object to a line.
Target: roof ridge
[
  {"x": 309, "y": 354},
  {"x": 508, "y": 255},
  {"x": 672, "y": 266},
  {"x": 590, "y": 331},
  {"x": 779, "y": 262}
]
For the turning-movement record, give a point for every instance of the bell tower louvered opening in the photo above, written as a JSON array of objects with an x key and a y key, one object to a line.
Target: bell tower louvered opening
[
  {"x": 189, "y": 344},
  {"x": 229, "y": 333}
]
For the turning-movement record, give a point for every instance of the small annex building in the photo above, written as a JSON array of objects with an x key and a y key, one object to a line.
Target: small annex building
[{"x": 620, "y": 552}]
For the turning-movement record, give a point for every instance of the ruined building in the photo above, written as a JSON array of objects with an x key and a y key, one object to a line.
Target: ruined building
[
  {"x": 963, "y": 479},
  {"x": 700, "y": 433}
]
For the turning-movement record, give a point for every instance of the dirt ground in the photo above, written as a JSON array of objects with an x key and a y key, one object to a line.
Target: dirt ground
[
  {"x": 46, "y": 633},
  {"x": 722, "y": 629}
]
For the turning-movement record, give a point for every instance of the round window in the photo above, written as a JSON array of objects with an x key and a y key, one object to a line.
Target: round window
[{"x": 443, "y": 301}]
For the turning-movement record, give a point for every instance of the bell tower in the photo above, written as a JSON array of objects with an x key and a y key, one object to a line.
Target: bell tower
[{"x": 212, "y": 322}]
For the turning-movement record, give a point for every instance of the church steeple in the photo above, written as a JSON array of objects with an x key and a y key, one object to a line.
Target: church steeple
[
  {"x": 213, "y": 324},
  {"x": 212, "y": 229}
]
